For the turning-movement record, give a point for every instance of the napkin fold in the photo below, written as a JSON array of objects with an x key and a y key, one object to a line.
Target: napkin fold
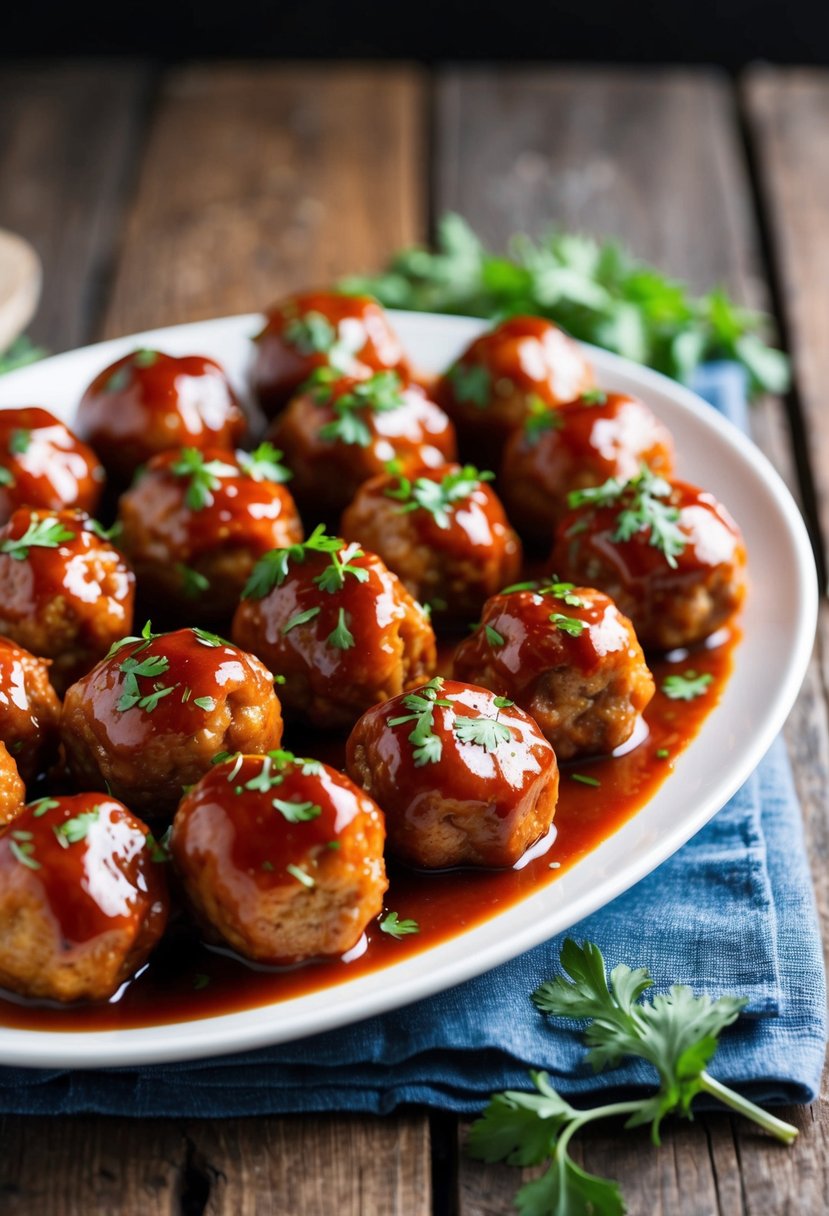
[{"x": 732, "y": 912}]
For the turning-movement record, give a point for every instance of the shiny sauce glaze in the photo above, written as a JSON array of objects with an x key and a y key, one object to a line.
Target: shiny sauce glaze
[
  {"x": 44, "y": 465},
  {"x": 185, "y": 979}
]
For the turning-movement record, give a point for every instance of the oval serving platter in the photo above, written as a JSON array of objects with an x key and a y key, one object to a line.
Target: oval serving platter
[{"x": 778, "y": 626}]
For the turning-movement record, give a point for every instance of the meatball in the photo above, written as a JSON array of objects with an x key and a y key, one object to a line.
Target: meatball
[
  {"x": 337, "y": 625},
  {"x": 668, "y": 553},
  {"x": 321, "y": 329},
  {"x": 149, "y": 719},
  {"x": 65, "y": 593},
  {"x": 523, "y": 364},
  {"x": 580, "y": 444},
  {"x": 445, "y": 534},
  {"x": 463, "y": 777},
  {"x": 43, "y": 465},
  {"x": 568, "y": 657},
  {"x": 195, "y": 523},
  {"x": 82, "y": 900},
  {"x": 29, "y": 710},
  {"x": 148, "y": 402},
  {"x": 12, "y": 789},
  {"x": 339, "y": 432},
  {"x": 281, "y": 857}
]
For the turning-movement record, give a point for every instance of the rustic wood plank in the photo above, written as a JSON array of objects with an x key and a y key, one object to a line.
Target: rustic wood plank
[
  {"x": 67, "y": 147},
  {"x": 655, "y": 159},
  {"x": 259, "y": 180}
]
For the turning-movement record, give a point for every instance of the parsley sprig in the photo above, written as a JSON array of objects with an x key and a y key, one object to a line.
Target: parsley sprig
[
  {"x": 264, "y": 463},
  {"x": 202, "y": 476},
  {"x": 686, "y": 686},
  {"x": 428, "y": 747},
  {"x": 376, "y": 395},
  {"x": 272, "y": 569},
  {"x": 597, "y": 290},
  {"x": 676, "y": 1033},
  {"x": 438, "y": 497},
  {"x": 40, "y": 534},
  {"x": 395, "y": 927},
  {"x": 644, "y": 509}
]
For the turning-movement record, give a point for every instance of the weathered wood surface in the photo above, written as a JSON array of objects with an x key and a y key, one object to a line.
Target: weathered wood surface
[{"x": 212, "y": 189}]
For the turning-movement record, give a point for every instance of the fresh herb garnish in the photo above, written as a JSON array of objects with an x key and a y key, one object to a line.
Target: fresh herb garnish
[
  {"x": 73, "y": 830},
  {"x": 541, "y": 417},
  {"x": 300, "y": 618},
  {"x": 208, "y": 704},
  {"x": 21, "y": 353},
  {"x": 493, "y": 636},
  {"x": 272, "y": 569},
  {"x": 297, "y": 812},
  {"x": 301, "y": 875},
  {"x": 264, "y": 464},
  {"x": 676, "y": 1034},
  {"x": 597, "y": 291},
  {"x": 340, "y": 564},
  {"x": 341, "y": 636},
  {"x": 471, "y": 382},
  {"x": 378, "y": 394},
  {"x": 583, "y": 780},
  {"x": 23, "y": 852},
  {"x": 662, "y": 753},
  {"x": 119, "y": 380},
  {"x": 20, "y": 441},
  {"x": 159, "y": 847},
  {"x": 207, "y": 638},
  {"x": 487, "y": 733},
  {"x": 149, "y": 668},
  {"x": 40, "y": 534},
  {"x": 202, "y": 476},
  {"x": 687, "y": 686},
  {"x": 6, "y": 477},
  {"x": 43, "y": 805},
  {"x": 644, "y": 509},
  {"x": 310, "y": 334},
  {"x": 141, "y": 642},
  {"x": 567, "y": 624},
  {"x": 193, "y": 583},
  {"x": 428, "y": 747},
  {"x": 395, "y": 927},
  {"x": 593, "y": 396},
  {"x": 144, "y": 357},
  {"x": 438, "y": 497},
  {"x": 108, "y": 534}
]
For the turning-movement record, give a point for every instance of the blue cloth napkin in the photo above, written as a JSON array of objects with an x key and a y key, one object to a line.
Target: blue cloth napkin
[{"x": 731, "y": 912}]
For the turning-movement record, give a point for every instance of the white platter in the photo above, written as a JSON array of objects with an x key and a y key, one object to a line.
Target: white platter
[{"x": 778, "y": 623}]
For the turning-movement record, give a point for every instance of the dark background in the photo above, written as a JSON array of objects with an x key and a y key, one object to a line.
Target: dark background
[{"x": 728, "y": 32}]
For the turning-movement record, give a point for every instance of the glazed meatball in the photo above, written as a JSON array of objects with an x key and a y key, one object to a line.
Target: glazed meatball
[
  {"x": 281, "y": 857},
  {"x": 668, "y": 553},
  {"x": 149, "y": 719},
  {"x": 12, "y": 789},
  {"x": 568, "y": 657},
  {"x": 337, "y": 626},
  {"x": 82, "y": 902},
  {"x": 321, "y": 329},
  {"x": 65, "y": 593},
  {"x": 339, "y": 432},
  {"x": 523, "y": 364},
  {"x": 463, "y": 777},
  {"x": 195, "y": 523},
  {"x": 43, "y": 465},
  {"x": 580, "y": 444},
  {"x": 445, "y": 534},
  {"x": 29, "y": 710},
  {"x": 149, "y": 402}
]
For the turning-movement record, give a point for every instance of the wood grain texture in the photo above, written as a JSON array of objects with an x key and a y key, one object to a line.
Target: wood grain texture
[
  {"x": 68, "y": 139},
  {"x": 258, "y": 180},
  {"x": 656, "y": 160}
]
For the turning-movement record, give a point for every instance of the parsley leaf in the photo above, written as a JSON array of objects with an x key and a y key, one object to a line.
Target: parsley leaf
[
  {"x": 471, "y": 382},
  {"x": 40, "y": 534},
  {"x": 272, "y": 569},
  {"x": 493, "y": 636},
  {"x": 428, "y": 747},
  {"x": 23, "y": 852},
  {"x": 301, "y": 875},
  {"x": 203, "y": 476},
  {"x": 310, "y": 334},
  {"x": 132, "y": 669},
  {"x": 6, "y": 477},
  {"x": 73, "y": 830},
  {"x": 643, "y": 509},
  {"x": 341, "y": 636},
  {"x": 297, "y": 812},
  {"x": 438, "y": 497},
  {"x": 264, "y": 464},
  {"x": 540, "y": 418},
  {"x": 487, "y": 733},
  {"x": 378, "y": 394},
  {"x": 300, "y": 618},
  {"x": 193, "y": 583},
  {"x": 395, "y": 927},
  {"x": 596, "y": 290},
  {"x": 686, "y": 687},
  {"x": 567, "y": 624},
  {"x": 19, "y": 441}
]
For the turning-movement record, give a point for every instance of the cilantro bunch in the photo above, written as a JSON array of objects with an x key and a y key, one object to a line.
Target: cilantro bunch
[
  {"x": 675, "y": 1033},
  {"x": 596, "y": 290}
]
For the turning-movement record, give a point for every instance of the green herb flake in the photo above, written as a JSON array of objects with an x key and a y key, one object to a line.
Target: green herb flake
[
  {"x": 73, "y": 830},
  {"x": 159, "y": 847},
  {"x": 310, "y": 334},
  {"x": 297, "y": 812},
  {"x": 264, "y": 463},
  {"x": 395, "y": 927},
  {"x": 567, "y": 624},
  {"x": 300, "y": 618},
  {"x": 642, "y": 509},
  {"x": 662, "y": 753},
  {"x": 352, "y": 410},
  {"x": 207, "y": 638},
  {"x": 301, "y": 876},
  {"x": 208, "y": 704},
  {"x": 119, "y": 380},
  {"x": 6, "y": 477},
  {"x": 428, "y": 747},
  {"x": 145, "y": 358},
  {"x": 341, "y": 636},
  {"x": 202, "y": 476},
  {"x": 541, "y": 418},
  {"x": 272, "y": 569},
  {"x": 24, "y": 854},
  {"x": 439, "y": 498},
  {"x": 593, "y": 396},
  {"x": 493, "y": 636},
  {"x": 40, "y": 534},
  {"x": 193, "y": 583},
  {"x": 268, "y": 867},
  {"x": 43, "y": 805},
  {"x": 487, "y": 733},
  {"x": 472, "y": 384},
  {"x": 583, "y": 780},
  {"x": 19, "y": 441},
  {"x": 687, "y": 686}
]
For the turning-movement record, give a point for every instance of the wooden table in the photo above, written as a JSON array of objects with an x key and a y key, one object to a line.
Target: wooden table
[{"x": 156, "y": 197}]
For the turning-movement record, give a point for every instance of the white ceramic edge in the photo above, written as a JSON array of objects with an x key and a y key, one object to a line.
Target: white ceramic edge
[{"x": 404, "y": 982}]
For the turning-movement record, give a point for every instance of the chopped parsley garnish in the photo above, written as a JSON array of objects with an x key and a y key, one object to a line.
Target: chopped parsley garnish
[
  {"x": 40, "y": 534},
  {"x": 145, "y": 358},
  {"x": 687, "y": 686},
  {"x": 301, "y": 875},
  {"x": 395, "y": 927},
  {"x": 207, "y": 638},
  {"x": 43, "y": 805},
  {"x": 378, "y": 394},
  {"x": 73, "y": 830},
  {"x": 583, "y": 780},
  {"x": 593, "y": 396},
  {"x": 20, "y": 441},
  {"x": 300, "y": 618},
  {"x": 148, "y": 668},
  {"x": 643, "y": 510},
  {"x": 513, "y": 588},
  {"x": 160, "y": 847},
  {"x": 6, "y": 478},
  {"x": 438, "y": 497},
  {"x": 193, "y": 584},
  {"x": 567, "y": 624},
  {"x": 23, "y": 851},
  {"x": 297, "y": 812},
  {"x": 471, "y": 382},
  {"x": 493, "y": 636},
  {"x": 541, "y": 417},
  {"x": 487, "y": 733},
  {"x": 264, "y": 464},
  {"x": 208, "y": 704},
  {"x": 662, "y": 753},
  {"x": 272, "y": 569},
  {"x": 119, "y": 379},
  {"x": 428, "y": 747},
  {"x": 310, "y": 334},
  {"x": 202, "y": 476},
  {"x": 271, "y": 773},
  {"x": 341, "y": 636},
  {"x": 333, "y": 577},
  {"x": 107, "y": 534}
]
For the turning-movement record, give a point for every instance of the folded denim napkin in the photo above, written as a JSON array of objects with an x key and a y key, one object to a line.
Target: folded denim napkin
[{"x": 731, "y": 912}]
